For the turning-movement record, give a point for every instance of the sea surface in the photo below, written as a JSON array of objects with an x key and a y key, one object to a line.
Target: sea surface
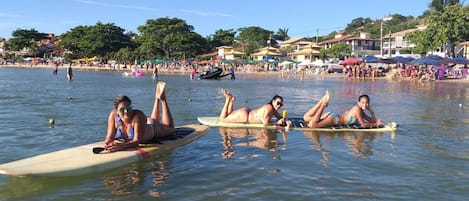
[{"x": 427, "y": 158}]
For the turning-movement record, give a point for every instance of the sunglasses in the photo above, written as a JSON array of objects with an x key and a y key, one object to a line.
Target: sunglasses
[
  {"x": 280, "y": 104},
  {"x": 125, "y": 109}
]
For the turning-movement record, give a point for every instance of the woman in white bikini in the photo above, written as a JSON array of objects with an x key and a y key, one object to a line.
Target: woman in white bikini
[
  {"x": 128, "y": 127},
  {"x": 356, "y": 115},
  {"x": 244, "y": 114}
]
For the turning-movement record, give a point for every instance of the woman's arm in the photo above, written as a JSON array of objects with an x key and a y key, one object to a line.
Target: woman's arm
[
  {"x": 111, "y": 128},
  {"x": 365, "y": 120}
]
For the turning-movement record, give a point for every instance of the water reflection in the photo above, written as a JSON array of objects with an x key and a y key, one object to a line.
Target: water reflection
[
  {"x": 359, "y": 143},
  {"x": 135, "y": 177},
  {"x": 260, "y": 138}
]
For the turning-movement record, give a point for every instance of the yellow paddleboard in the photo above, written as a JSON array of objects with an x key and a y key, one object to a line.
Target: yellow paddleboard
[{"x": 82, "y": 160}]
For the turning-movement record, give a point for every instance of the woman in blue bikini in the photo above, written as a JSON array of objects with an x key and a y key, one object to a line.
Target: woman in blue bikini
[
  {"x": 356, "y": 115},
  {"x": 128, "y": 127}
]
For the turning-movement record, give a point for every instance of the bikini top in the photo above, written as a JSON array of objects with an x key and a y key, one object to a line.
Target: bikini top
[{"x": 120, "y": 134}]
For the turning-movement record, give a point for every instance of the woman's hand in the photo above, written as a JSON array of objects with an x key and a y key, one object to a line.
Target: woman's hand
[
  {"x": 281, "y": 122},
  {"x": 113, "y": 146}
]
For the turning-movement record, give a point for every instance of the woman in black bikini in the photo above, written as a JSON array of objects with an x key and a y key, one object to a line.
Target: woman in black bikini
[{"x": 244, "y": 114}]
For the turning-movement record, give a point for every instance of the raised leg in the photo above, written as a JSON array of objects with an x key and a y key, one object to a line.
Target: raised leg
[
  {"x": 228, "y": 100},
  {"x": 313, "y": 116},
  {"x": 160, "y": 99}
]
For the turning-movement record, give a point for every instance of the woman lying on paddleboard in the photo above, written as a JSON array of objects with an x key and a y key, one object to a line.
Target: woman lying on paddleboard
[
  {"x": 244, "y": 114},
  {"x": 133, "y": 127},
  {"x": 356, "y": 115}
]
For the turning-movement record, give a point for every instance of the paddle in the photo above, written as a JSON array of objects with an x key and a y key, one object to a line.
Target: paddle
[{"x": 97, "y": 150}]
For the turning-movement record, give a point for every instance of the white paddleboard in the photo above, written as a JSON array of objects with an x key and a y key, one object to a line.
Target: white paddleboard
[
  {"x": 82, "y": 160},
  {"x": 215, "y": 122}
]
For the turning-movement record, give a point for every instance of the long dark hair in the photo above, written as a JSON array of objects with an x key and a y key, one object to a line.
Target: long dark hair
[
  {"x": 275, "y": 97},
  {"x": 364, "y": 96},
  {"x": 121, "y": 98}
]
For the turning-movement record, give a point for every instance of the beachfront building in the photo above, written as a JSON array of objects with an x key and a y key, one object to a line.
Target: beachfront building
[
  {"x": 308, "y": 51},
  {"x": 300, "y": 49},
  {"x": 229, "y": 53},
  {"x": 397, "y": 43},
  {"x": 362, "y": 45},
  {"x": 463, "y": 49},
  {"x": 266, "y": 53}
]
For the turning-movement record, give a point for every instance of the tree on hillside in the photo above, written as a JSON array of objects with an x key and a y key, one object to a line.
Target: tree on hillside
[
  {"x": 444, "y": 30},
  {"x": 23, "y": 38},
  {"x": 357, "y": 23},
  {"x": 169, "y": 37},
  {"x": 282, "y": 34},
  {"x": 338, "y": 50},
  {"x": 252, "y": 38},
  {"x": 101, "y": 40},
  {"x": 440, "y": 5},
  {"x": 221, "y": 38}
]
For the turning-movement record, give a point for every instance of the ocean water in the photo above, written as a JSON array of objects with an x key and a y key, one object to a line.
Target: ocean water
[{"x": 427, "y": 158}]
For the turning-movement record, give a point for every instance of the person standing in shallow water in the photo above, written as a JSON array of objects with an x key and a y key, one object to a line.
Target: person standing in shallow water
[{"x": 69, "y": 72}]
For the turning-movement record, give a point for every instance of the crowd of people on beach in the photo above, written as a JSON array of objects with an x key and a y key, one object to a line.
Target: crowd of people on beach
[{"x": 396, "y": 71}]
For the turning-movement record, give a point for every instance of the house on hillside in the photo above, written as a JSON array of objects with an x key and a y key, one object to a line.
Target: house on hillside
[
  {"x": 300, "y": 49},
  {"x": 463, "y": 49},
  {"x": 229, "y": 53},
  {"x": 361, "y": 45},
  {"x": 266, "y": 53},
  {"x": 397, "y": 43},
  {"x": 306, "y": 51}
]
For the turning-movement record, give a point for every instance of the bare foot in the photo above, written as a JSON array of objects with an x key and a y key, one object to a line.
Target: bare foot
[
  {"x": 326, "y": 99},
  {"x": 227, "y": 94},
  {"x": 160, "y": 90}
]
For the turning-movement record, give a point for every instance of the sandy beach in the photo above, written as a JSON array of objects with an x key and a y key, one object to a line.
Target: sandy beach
[{"x": 163, "y": 71}]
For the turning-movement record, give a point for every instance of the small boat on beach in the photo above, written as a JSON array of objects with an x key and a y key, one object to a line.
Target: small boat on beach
[{"x": 215, "y": 73}]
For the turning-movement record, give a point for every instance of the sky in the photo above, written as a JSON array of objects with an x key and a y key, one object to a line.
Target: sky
[{"x": 302, "y": 18}]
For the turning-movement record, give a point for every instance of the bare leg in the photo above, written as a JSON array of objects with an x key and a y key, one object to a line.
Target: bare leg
[
  {"x": 308, "y": 115},
  {"x": 231, "y": 105},
  {"x": 160, "y": 98},
  {"x": 313, "y": 116},
  {"x": 225, "y": 110}
]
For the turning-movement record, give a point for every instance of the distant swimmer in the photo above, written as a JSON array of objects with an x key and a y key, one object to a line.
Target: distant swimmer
[
  {"x": 56, "y": 68},
  {"x": 69, "y": 72}
]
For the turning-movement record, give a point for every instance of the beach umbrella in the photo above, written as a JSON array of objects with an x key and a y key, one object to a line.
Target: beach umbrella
[
  {"x": 305, "y": 63},
  {"x": 285, "y": 63},
  {"x": 371, "y": 59},
  {"x": 459, "y": 60},
  {"x": 350, "y": 61},
  {"x": 318, "y": 62},
  {"x": 401, "y": 59},
  {"x": 426, "y": 61}
]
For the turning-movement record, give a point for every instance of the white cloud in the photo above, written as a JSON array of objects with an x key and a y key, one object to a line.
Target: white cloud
[
  {"x": 9, "y": 15},
  {"x": 97, "y": 3},
  {"x": 203, "y": 13}
]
